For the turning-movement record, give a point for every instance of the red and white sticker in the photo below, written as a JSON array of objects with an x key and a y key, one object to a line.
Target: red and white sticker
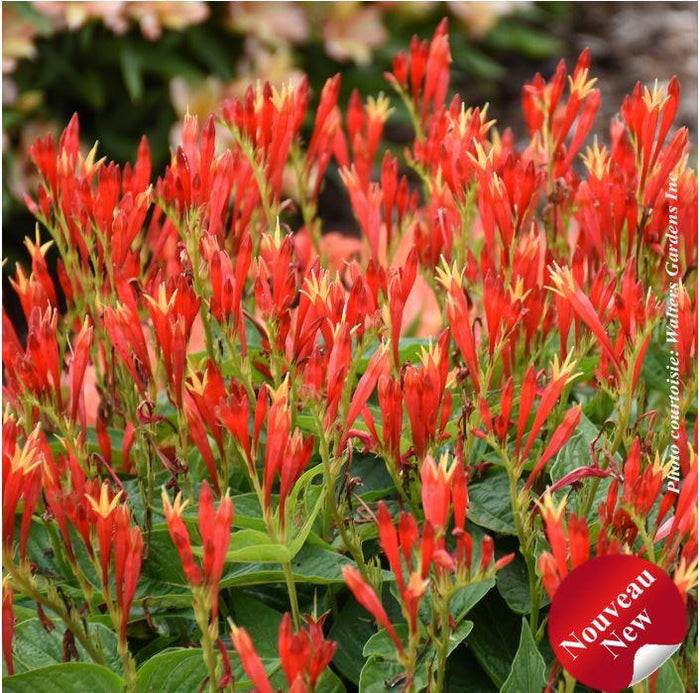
[{"x": 615, "y": 620}]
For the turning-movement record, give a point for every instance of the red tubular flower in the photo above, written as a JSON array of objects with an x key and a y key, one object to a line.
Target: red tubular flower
[
  {"x": 458, "y": 318},
  {"x": 427, "y": 548},
  {"x": 128, "y": 547},
  {"x": 559, "y": 439},
  {"x": 322, "y": 650},
  {"x": 487, "y": 549},
  {"x": 436, "y": 485},
  {"x": 294, "y": 651},
  {"x": 400, "y": 287},
  {"x": 21, "y": 480},
  {"x": 8, "y": 624},
  {"x": 295, "y": 459},
  {"x": 585, "y": 123},
  {"x": 181, "y": 537},
  {"x": 437, "y": 70},
  {"x": 579, "y": 540},
  {"x": 460, "y": 496},
  {"x": 173, "y": 312},
  {"x": 377, "y": 366},
  {"x": 561, "y": 375},
  {"x": 123, "y": 326},
  {"x": 554, "y": 529},
  {"x": 366, "y": 204},
  {"x": 79, "y": 365},
  {"x": 390, "y": 399},
  {"x": 368, "y": 599},
  {"x": 279, "y": 422},
  {"x": 215, "y": 528},
  {"x": 252, "y": 664},
  {"x": 198, "y": 434},
  {"x": 641, "y": 111},
  {"x": 390, "y": 543},
  {"x": 551, "y": 579},
  {"x": 667, "y": 162},
  {"x": 103, "y": 510}
]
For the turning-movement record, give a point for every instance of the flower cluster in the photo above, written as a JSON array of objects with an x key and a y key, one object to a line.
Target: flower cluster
[{"x": 442, "y": 417}]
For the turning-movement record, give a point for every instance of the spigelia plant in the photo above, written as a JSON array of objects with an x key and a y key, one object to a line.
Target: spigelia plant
[{"x": 241, "y": 451}]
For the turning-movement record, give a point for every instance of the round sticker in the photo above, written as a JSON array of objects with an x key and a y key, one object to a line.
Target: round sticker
[{"x": 615, "y": 620}]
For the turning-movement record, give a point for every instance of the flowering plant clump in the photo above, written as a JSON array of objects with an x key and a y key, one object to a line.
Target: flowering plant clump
[{"x": 238, "y": 451}]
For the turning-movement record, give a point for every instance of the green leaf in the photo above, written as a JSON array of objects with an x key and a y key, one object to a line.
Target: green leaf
[
  {"x": 467, "y": 597},
  {"x": 465, "y": 674},
  {"x": 34, "y": 648},
  {"x": 313, "y": 564},
  {"x": 313, "y": 497},
  {"x": 376, "y": 480},
  {"x": 381, "y": 644},
  {"x": 458, "y": 635},
  {"x": 527, "y": 674},
  {"x": 494, "y": 640},
  {"x": 329, "y": 683},
  {"x": 351, "y": 630},
  {"x": 524, "y": 40},
  {"x": 174, "y": 670},
  {"x": 513, "y": 585},
  {"x": 252, "y": 546},
  {"x": 669, "y": 680},
  {"x": 380, "y": 675},
  {"x": 577, "y": 453},
  {"x": 261, "y": 622},
  {"x": 409, "y": 349},
  {"x": 130, "y": 62},
  {"x": 489, "y": 503},
  {"x": 76, "y": 677}
]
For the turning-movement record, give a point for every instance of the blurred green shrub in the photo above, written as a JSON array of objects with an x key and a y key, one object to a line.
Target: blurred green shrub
[{"x": 131, "y": 68}]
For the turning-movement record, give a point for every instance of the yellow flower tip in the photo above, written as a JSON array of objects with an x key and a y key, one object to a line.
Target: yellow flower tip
[
  {"x": 379, "y": 108},
  {"x": 317, "y": 285},
  {"x": 448, "y": 275},
  {"x": 550, "y": 510},
  {"x": 482, "y": 159},
  {"x": 104, "y": 507},
  {"x": 416, "y": 585},
  {"x": 582, "y": 86},
  {"x": 596, "y": 160},
  {"x": 177, "y": 507},
  {"x": 196, "y": 384},
  {"x": 517, "y": 292},
  {"x": 282, "y": 392},
  {"x": 566, "y": 368},
  {"x": 654, "y": 99}
]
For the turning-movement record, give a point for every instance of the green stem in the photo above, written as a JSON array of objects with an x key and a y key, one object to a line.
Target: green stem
[
  {"x": 208, "y": 653},
  {"x": 66, "y": 614},
  {"x": 292, "y": 590},
  {"x": 444, "y": 646}
]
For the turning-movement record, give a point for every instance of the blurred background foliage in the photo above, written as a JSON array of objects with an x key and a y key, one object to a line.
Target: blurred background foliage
[{"x": 133, "y": 68}]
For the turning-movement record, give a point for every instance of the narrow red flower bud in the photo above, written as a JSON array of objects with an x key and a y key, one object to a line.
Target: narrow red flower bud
[
  {"x": 389, "y": 543},
  {"x": 551, "y": 579},
  {"x": 487, "y": 549},
  {"x": 295, "y": 652},
  {"x": 128, "y": 547},
  {"x": 559, "y": 439},
  {"x": 435, "y": 492},
  {"x": 250, "y": 660},
  {"x": 8, "y": 624},
  {"x": 368, "y": 599},
  {"x": 181, "y": 537},
  {"x": 215, "y": 528}
]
